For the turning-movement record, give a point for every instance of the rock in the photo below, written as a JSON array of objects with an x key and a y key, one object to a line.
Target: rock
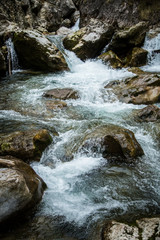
[
  {"x": 36, "y": 52},
  {"x": 137, "y": 57},
  {"x": 52, "y": 105},
  {"x": 141, "y": 89},
  {"x": 63, "y": 94},
  {"x": 119, "y": 231},
  {"x": 3, "y": 67},
  {"x": 64, "y": 31},
  {"x": 20, "y": 188},
  {"x": 114, "y": 142},
  {"x": 67, "y": 7},
  {"x": 125, "y": 40},
  {"x": 66, "y": 23},
  {"x": 150, "y": 228},
  {"x": 150, "y": 113},
  {"x": 112, "y": 59},
  {"x": 36, "y": 6},
  {"x": 89, "y": 41},
  {"x": 75, "y": 16},
  {"x": 27, "y": 145}
]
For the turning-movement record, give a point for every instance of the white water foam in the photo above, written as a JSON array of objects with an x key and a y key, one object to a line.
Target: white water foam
[{"x": 152, "y": 45}]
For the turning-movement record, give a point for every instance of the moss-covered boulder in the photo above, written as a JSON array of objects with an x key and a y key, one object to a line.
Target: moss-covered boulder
[
  {"x": 124, "y": 40},
  {"x": 36, "y": 52},
  {"x": 114, "y": 143},
  {"x": 137, "y": 57},
  {"x": 27, "y": 145},
  {"x": 112, "y": 59},
  {"x": 89, "y": 41},
  {"x": 20, "y": 188},
  {"x": 143, "y": 88}
]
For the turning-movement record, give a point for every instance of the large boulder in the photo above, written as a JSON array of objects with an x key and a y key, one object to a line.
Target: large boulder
[
  {"x": 27, "y": 145},
  {"x": 36, "y": 52},
  {"x": 61, "y": 93},
  {"x": 124, "y": 40},
  {"x": 89, "y": 41},
  {"x": 143, "y": 88},
  {"x": 114, "y": 142},
  {"x": 20, "y": 188}
]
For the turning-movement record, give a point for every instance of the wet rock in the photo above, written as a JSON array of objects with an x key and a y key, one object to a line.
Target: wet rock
[
  {"x": 63, "y": 94},
  {"x": 125, "y": 40},
  {"x": 75, "y": 16},
  {"x": 20, "y": 188},
  {"x": 67, "y": 7},
  {"x": 150, "y": 113},
  {"x": 27, "y": 145},
  {"x": 137, "y": 57},
  {"x": 120, "y": 231},
  {"x": 66, "y": 23},
  {"x": 141, "y": 89},
  {"x": 36, "y": 52},
  {"x": 114, "y": 142},
  {"x": 150, "y": 228},
  {"x": 90, "y": 40},
  {"x": 2, "y": 64},
  {"x": 112, "y": 59},
  {"x": 52, "y": 105}
]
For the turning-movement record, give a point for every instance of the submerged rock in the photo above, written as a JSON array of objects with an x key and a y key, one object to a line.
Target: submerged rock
[
  {"x": 27, "y": 145},
  {"x": 90, "y": 40},
  {"x": 112, "y": 59},
  {"x": 114, "y": 142},
  {"x": 150, "y": 113},
  {"x": 36, "y": 52},
  {"x": 20, "y": 187},
  {"x": 141, "y": 89},
  {"x": 63, "y": 94},
  {"x": 52, "y": 105}
]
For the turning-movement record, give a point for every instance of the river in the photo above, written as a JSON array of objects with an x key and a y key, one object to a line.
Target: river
[{"x": 84, "y": 190}]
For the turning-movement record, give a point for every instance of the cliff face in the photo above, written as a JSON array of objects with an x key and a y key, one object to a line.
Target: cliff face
[
  {"x": 124, "y": 12},
  {"x": 48, "y": 14}
]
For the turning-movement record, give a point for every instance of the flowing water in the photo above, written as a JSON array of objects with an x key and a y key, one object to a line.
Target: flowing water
[{"x": 83, "y": 189}]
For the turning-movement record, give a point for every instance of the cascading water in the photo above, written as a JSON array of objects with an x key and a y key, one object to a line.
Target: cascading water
[
  {"x": 12, "y": 57},
  {"x": 152, "y": 45},
  {"x": 83, "y": 189}
]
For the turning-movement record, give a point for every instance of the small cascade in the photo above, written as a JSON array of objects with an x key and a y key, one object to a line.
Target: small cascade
[
  {"x": 152, "y": 45},
  {"x": 76, "y": 26},
  {"x": 12, "y": 57}
]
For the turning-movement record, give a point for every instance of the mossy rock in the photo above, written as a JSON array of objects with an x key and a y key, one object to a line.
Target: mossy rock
[
  {"x": 28, "y": 145},
  {"x": 112, "y": 59}
]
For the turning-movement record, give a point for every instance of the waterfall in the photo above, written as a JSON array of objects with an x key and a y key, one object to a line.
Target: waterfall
[
  {"x": 76, "y": 26},
  {"x": 12, "y": 57},
  {"x": 152, "y": 45}
]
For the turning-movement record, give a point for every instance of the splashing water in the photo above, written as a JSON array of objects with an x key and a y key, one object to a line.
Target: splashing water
[{"x": 152, "y": 45}]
